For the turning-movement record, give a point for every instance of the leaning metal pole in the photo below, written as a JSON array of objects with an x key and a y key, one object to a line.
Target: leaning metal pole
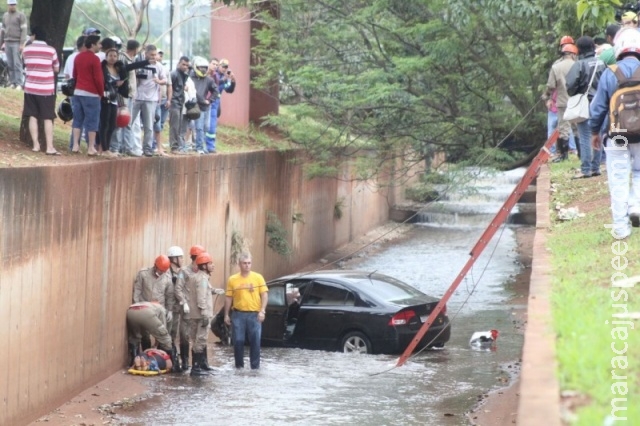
[{"x": 498, "y": 220}]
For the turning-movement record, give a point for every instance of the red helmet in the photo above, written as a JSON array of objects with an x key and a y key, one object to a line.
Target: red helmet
[
  {"x": 196, "y": 250},
  {"x": 570, "y": 48},
  {"x": 123, "y": 117},
  {"x": 203, "y": 258},
  {"x": 162, "y": 263},
  {"x": 566, "y": 40}
]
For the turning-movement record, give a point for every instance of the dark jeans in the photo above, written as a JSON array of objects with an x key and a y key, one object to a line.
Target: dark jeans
[
  {"x": 108, "y": 113},
  {"x": 246, "y": 323}
]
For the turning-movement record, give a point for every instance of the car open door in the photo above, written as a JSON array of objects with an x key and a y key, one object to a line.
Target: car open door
[{"x": 273, "y": 327}]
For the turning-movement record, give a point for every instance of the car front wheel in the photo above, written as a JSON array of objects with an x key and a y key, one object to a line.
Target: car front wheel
[{"x": 356, "y": 342}]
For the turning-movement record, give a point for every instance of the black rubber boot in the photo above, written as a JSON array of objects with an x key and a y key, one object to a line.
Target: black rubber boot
[
  {"x": 146, "y": 343},
  {"x": 196, "y": 368},
  {"x": 177, "y": 368},
  {"x": 184, "y": 356},
  {"x": 133, "y": 352},
  {"x": 205, "y": 361}
]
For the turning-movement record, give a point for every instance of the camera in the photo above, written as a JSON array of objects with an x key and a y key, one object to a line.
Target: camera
[{"x": 228, "y": 72}]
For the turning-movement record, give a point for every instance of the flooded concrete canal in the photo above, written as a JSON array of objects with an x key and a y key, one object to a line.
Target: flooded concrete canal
[{"x": 436, "y": 387}]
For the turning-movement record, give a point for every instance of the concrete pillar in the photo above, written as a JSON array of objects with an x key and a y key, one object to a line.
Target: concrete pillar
[{"x": 231, "y": 39}]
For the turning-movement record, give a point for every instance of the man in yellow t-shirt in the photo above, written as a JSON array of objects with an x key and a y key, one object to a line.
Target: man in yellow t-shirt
[{"x": 247, "y": 293}]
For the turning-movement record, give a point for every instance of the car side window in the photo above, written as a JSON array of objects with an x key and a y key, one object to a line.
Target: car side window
[
  {"x": 276, "y": 295},
  {"x": 330, "y": 295}
]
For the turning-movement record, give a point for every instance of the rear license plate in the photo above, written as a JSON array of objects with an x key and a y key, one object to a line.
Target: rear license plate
[{"x": 424, "y": 319}]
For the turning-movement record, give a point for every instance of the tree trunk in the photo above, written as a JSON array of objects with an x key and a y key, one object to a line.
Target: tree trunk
[{"x": 53, "y": 17}]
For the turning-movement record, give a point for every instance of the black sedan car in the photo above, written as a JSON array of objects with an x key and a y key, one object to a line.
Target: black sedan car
[{"x": 350, "y": 311}]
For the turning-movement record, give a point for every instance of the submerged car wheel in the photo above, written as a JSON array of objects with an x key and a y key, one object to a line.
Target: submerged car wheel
[{"x": 356, "y": 342}]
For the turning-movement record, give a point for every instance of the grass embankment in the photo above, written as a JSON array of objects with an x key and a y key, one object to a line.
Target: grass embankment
[
  {"x": 585, "y": 302},
  {"x": 13, "y": 152}
]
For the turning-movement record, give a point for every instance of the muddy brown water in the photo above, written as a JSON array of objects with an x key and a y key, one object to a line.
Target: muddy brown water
[{"x": 436, "y": 387}]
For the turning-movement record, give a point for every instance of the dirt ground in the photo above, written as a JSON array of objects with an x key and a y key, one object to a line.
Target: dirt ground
[{"x": 120, "y": 392}]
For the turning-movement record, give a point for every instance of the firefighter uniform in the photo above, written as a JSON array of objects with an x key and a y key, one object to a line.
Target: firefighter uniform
[
  {"x": 147, "y": 287},
  {"x": 148, "y": 318},
  {"x": 198, "y": 296}
]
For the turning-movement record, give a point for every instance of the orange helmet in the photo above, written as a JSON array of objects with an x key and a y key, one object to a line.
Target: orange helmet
[
  {"x": 566, "y": 40},
  {"x": 203, "y": 258},
  {"x": 196, "y": 250},
  {"x": 570, "y": 48},
  {"x": 162, "y": 263}
]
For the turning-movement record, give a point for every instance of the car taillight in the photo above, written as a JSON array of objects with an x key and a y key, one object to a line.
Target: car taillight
[{"x": 402, "y": 318}]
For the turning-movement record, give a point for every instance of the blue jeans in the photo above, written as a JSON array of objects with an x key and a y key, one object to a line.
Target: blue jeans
[
  {"x": 589, "y": 158},
  {"x": 552, "y": 123},
  {"x": 201, "y": 124},
  {"x": 246, "y": 323},
  {"x": 86, "y": 112},
  {"x": 213, "y": 125},
  {"x": 623, "y": 162},
  {"x": 14, "y": 62},
  {"x": 146, "y": 110}
]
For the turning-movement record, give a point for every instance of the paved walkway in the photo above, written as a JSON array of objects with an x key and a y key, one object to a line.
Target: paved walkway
[{"x": 539, "y": 389}]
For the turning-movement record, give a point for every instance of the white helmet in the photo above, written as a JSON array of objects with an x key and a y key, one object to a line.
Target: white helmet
[
  {"x": 200, "y": 66},
  {"x": 117, "y": 40},
  {"x": 627, "y": 41},
  {"x": 174, "y": 251}
]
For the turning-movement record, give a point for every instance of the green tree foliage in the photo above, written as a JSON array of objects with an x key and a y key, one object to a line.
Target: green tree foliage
[{"x": 407, "y": 78}]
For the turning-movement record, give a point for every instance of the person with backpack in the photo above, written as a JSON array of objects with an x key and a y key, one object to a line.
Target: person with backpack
[
  {"x": 583, "y": 78},
  {"x": 617, "y": 123}
]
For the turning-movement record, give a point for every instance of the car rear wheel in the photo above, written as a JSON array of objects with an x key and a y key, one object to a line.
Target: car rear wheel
[{"x": 356, "y": 342}]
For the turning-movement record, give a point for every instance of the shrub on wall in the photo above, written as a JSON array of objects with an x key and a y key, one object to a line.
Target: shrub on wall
[{"x": 277, "y": 235}]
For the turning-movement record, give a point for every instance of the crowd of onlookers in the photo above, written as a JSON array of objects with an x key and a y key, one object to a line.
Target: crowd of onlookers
[
  {"x": 119, "y": 95},
  {"x": 600, "y": 73}
]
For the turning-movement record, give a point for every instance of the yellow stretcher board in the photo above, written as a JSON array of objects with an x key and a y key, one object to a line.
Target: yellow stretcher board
[{"x": 145, "y": 373}]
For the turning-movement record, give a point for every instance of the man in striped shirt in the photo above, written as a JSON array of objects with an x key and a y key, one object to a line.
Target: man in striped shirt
[{"x": 41, "y": 62}]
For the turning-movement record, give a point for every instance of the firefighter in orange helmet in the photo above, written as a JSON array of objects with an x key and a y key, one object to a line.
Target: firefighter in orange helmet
[
  {"x": 200, "y": 312},
  {"x": 154, "y": 285},
  {"x": 182, "y": 297}
]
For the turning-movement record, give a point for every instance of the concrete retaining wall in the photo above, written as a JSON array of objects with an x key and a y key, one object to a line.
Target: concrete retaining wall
[{"x": 73, "y": 238}]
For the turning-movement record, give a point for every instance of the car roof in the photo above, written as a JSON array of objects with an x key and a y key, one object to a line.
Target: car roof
[{"x": 351, "y": 276}]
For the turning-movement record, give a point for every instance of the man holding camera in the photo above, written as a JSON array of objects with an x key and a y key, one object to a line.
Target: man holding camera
[
  {"x": 148, "y": 82},
  {"x": 226, "y": 81}
]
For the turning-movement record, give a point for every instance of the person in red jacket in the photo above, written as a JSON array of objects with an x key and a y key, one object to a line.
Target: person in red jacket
[{"x": 87, "y": 71}]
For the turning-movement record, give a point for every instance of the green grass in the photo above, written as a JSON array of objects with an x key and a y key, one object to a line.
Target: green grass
[
  {"x": 230, "y": 139},
  {"x": 582, "y": 299}
]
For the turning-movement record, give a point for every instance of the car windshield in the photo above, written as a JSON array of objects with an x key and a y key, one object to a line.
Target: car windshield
[{"x": 389, "y": 289}]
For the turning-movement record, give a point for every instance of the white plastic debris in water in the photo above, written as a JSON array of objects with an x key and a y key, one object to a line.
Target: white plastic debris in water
[
  {"x": 569, "y": 214},
  {"x": 483, "y": 339}
]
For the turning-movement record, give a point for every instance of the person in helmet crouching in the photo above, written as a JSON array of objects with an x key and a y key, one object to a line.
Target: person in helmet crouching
[
  {"x": 146, "y": 318},
  {"x": 206, "y": 92},
  {"x": 154, "y": 285}
]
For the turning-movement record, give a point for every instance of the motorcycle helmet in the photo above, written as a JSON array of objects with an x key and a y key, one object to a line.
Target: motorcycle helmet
[
  {"x": 65, "y": 112},
  {"x": 200, "y": 66},
  {"x": 123, "y": 117}
]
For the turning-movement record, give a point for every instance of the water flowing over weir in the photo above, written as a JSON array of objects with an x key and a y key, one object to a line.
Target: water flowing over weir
[{"x": 435, "y": 387}]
